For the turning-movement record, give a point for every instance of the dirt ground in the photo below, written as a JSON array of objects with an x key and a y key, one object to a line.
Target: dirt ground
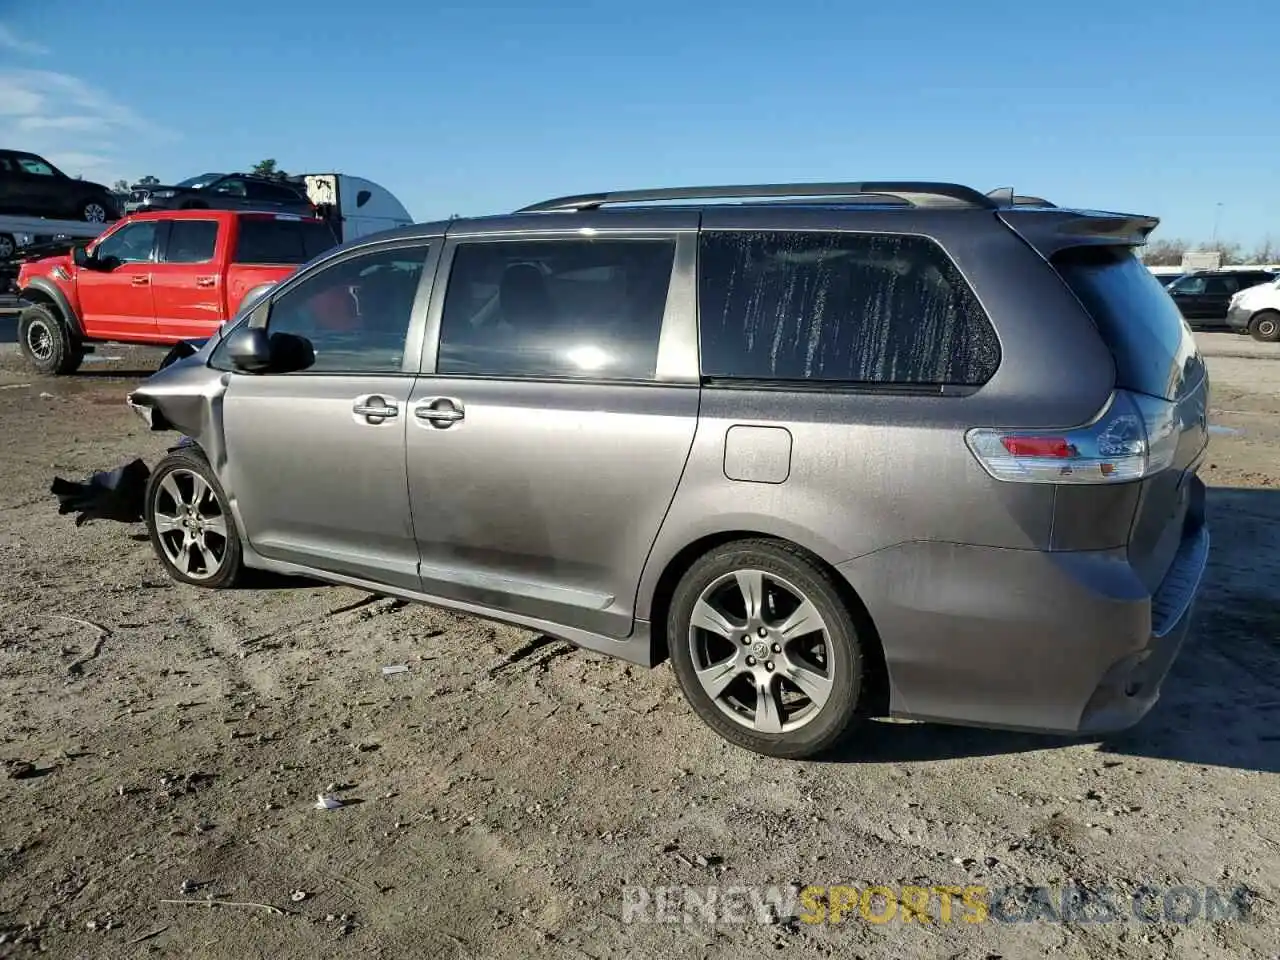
[{"x": 502, "y": 793}]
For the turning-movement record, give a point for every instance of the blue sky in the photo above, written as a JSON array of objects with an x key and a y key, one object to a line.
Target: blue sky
[{"x": 1166, "y": 108}]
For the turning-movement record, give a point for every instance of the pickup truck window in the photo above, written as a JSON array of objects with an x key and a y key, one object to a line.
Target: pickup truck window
[
  {"x": 191, "y": 241},
  {"x": 132, "y": 243},
  {"x": 274, "y": 241}
]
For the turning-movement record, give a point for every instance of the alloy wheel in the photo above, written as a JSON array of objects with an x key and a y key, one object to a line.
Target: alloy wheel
[
  {"x": 95, "y": 213},
  {"x": 761, "y": 651},
  {"x": 190, "y": 524},
  {"x": 40, "y": 340}
]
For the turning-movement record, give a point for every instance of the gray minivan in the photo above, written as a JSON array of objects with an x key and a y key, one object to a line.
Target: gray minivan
[{"x": 836, "y": 450}]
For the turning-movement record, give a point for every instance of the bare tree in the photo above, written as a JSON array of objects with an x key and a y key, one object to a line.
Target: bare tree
[
  {"x": 1265, "y": 252},
  {"x": 120, "y": 186},
  {"x": 1165, "y": 253}
]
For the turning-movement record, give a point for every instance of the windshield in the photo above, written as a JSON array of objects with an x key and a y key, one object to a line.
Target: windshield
[{"x": 196, "y": 183}]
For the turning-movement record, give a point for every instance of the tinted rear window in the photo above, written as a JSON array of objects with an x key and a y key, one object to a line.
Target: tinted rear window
[
  {"x": 1153, "y": 347},
  {"x": 282, "y": 241},
  {"x": 839, "y": 307}
]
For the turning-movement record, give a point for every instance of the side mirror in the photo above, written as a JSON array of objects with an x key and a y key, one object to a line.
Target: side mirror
[
  {"x": 253, "y": 350},
  {"x": 81, "y": 257},
  {"x": 249, "y": 349}
]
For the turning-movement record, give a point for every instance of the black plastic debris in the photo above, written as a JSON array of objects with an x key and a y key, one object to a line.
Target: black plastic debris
[
  {"x": 117, "y": 494},
  {"x": 180, "y": 351}
]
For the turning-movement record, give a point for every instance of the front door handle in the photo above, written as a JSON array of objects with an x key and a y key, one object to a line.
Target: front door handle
[
  {"x": 206, "y": 281},
  {"x": 141, "y": 281},
  {"x": 440, "y": 412},
  {"x": 375, "y": 409}
]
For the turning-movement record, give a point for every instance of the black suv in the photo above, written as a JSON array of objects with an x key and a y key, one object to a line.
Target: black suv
[
  {"x": 221, "y": 191},
  {"x": 1205, "y": 294},
  {"x": 30, "y": 185}
]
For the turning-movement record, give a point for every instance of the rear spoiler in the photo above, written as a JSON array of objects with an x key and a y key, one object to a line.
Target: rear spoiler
[{"x": 1050, "y": 231}]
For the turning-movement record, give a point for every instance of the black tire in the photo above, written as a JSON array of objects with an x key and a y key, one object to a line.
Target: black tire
[
  {"x": 1265, "y": 326},
  {"x": 94, "y": 210},
  {"x": 838, "y": 716},
  {"x": 47, "y": 342},
  {"x": 181, "y": 465},
  {"x": 8, "y": 246}
]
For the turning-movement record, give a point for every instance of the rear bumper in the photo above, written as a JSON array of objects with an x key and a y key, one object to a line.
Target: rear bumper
[
  {"x": 1238, "y": 319},
  {"x": 1057, "y": 642}
]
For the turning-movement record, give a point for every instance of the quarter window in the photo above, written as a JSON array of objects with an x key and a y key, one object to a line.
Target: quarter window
[
  {"x": 191, "y": 241},
  {"x": 839, "y": 307},
  {"x": 130, "y": 244},
  {"x": 355, "y": 313},
  {"x": 578, "y": 309}
]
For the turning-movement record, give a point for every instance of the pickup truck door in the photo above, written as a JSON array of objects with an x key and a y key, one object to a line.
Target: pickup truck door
[
  {"x": 188, "y": 279},
  {"x": 115, "y": 297}
]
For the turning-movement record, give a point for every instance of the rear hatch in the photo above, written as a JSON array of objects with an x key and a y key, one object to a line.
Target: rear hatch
[{"x": 1157, "y": 361}]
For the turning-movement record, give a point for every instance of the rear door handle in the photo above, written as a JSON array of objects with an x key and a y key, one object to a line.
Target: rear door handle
[
  {"x": 206, "y": 281},
  {"x": 141, "y": 281},
  {"x": 439, "y": 411}
]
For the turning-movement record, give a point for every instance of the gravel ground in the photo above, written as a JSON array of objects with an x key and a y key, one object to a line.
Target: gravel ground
[{"x": 505, "y": 796}]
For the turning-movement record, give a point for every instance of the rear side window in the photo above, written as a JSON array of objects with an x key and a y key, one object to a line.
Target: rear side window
[
  {"x": 556, "y": 309},
  {"x": 839, "y": 307},
  {"x": 1153, "y": 347},
  {"x": 282, "y": 241},
  {"x": 191, "y": 241}
]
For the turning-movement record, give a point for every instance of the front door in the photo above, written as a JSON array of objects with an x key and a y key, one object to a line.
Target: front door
[
  {"x": 315, "y": 459},
  {"x": 544, "y": 452},
  {"x": 187, "y": 281},
  {"x": 116, "y": 301}
]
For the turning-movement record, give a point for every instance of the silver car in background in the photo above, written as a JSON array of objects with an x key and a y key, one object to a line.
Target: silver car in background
[{"x": 836, "y": 450}]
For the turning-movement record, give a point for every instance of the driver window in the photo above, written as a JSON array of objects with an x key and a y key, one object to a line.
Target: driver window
[
  {"x": 355, "y": 313},
  {"x": 1189, "y": 285},
  {"x": 129, "y": 244}
]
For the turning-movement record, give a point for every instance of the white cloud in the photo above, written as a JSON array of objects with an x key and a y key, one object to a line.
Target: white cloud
[
  {"x": 11, "y": 41},
  {"x": 79, "y": 127}
]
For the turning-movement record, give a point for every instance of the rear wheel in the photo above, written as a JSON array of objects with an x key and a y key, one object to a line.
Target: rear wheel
[
  {"x": 190, "y": 525},
  {"x": 47, "y": 342},
  {"x": 765, "y": 649},
  {"x": 1265, "y": 326},
  {"x": 93, "y": 211},
  {"x": 7, "y": 246}
]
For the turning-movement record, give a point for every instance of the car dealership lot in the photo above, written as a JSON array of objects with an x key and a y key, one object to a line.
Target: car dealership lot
[{"x": 512, "y": 790}]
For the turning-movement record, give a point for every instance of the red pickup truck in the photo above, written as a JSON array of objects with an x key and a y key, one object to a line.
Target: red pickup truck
[{"x": 157, "y": 278}]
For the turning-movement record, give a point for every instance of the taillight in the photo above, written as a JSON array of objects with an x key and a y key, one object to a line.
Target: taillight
[{"x": 1134, "y": 437}]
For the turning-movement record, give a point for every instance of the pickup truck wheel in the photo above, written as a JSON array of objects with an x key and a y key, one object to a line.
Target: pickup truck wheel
[
  {"x": 1265, "y": 326},
  {"x": 191, "y": 527},
  {"x": 47, "y": 343},
  {"x": 92, "y": 211}
]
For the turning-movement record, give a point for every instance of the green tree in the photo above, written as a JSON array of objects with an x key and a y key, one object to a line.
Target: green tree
[
  {"x": 149, "y": 179},
  {"x": 268, "y": 168}
]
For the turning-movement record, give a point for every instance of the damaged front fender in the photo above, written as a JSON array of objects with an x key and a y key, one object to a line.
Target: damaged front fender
[{"x": 185, "y": 395}]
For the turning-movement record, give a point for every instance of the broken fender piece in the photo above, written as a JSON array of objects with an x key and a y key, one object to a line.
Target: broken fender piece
[{"x": 117, "y": 494}]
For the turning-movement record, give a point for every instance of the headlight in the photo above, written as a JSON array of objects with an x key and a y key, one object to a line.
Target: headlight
[{"x": 165, "y": 194}]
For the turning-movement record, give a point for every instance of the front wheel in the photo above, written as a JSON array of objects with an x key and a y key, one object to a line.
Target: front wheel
[
  {"x": 1265, "y": 326},
  {"x": 47, "y": 342},
  {"x": 765, "y": 649},
  {"x": 190, "y": 524}
]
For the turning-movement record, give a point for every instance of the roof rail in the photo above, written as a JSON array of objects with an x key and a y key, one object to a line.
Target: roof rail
[{"x": 919, "y": 194}]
